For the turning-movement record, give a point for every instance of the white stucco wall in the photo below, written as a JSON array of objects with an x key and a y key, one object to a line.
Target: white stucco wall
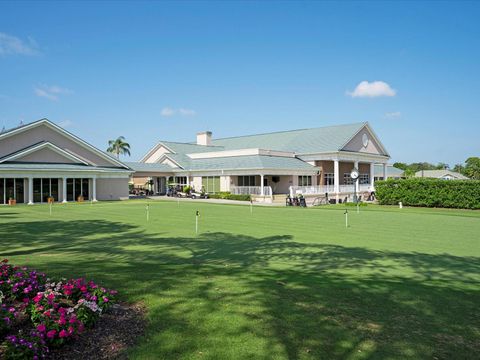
[
  {"x": 224, "y": 183},
  {"x": 196, "y": 182}
]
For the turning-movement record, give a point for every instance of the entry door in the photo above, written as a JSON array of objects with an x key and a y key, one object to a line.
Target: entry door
[{"x": 162, "y": 185}]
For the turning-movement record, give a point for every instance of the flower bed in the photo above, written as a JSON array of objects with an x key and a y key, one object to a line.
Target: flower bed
[{"x": 37, "y": 314}]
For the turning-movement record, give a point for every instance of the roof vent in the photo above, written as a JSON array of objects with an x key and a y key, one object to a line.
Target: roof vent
[{"x": 204, "y": 138}]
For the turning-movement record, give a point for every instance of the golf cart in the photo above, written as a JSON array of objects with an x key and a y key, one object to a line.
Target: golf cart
[{"x": 198, "y": 194}]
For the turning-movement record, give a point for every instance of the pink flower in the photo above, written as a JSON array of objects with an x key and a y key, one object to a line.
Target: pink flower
[
  {"x": 51, "y": 334},
  {"x": 62, "y": 321},
  {"x": 105, "y": 299},
  {"x": 38, "y": 297},
  {"x": 83, "y": 289},
  {"x": 63, "y": 334},
  {"x": 41, "y": 328}
]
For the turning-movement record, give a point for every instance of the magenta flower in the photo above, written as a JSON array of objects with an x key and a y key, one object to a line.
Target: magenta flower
[
  {"x": 105, "y": 299},
  {"x": 41, "y": 328},
  {"x": 63, "y": 334},
  {"x": 51, "y": 334}
]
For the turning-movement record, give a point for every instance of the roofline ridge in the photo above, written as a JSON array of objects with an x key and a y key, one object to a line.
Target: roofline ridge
[{"x": 293, "y": 130}]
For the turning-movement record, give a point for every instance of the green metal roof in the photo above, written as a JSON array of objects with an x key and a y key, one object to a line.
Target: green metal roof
[
  {"x": 188, "y": 148},
  {"x": 439, "y": 174},
  {"x": 250, "y": 162},
  {"x": 391, "y": 171},
  {"x": 149, "y": 167},
  {"x": 56, "y": 167},
  {"x": 228, "y": 163},
  {"x": 304, "y": 141}
]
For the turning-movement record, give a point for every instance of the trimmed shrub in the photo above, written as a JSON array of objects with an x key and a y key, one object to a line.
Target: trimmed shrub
[
  {"x": 460, "y": 194},
  {"x": 228, "y": 196}
]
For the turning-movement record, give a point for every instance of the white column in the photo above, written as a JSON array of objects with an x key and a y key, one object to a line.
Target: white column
[
  {"x": 94, "y": 188},
  {"x": 385, "y": 175},
  {"x": 64, "y": 189},
  {"x": 357, "y": 182},
  {"x": 30, "y": 191},
  {"x": 372, "y": 176},
  {"x": 262, "y": 191},
  {"x": 336, "y": 178}
]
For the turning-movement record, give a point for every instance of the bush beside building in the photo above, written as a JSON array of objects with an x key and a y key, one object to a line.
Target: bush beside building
[{"x": 461, "y": 194}]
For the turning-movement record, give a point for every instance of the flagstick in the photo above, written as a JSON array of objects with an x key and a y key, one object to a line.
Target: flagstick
[
  {"x": 346, "y": 218},
  {"x": 251, "y": 207},
  {"x": 196, "y": 223},
  {"x": 148, "y": 212}
]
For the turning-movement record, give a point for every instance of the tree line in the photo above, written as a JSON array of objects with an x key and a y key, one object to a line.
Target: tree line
[{"x": 471, "y": 167}]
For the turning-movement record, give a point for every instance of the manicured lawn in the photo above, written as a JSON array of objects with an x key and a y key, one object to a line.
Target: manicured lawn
[{"x": 283, "y": 283}]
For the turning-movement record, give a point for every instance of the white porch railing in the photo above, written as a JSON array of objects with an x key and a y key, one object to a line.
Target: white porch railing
[
  {"x": 330, "y": 189},
  {"x": 365, "y": 187},
  {"x": 322, "y": 189},
  {"x": 251, "y": 190}
]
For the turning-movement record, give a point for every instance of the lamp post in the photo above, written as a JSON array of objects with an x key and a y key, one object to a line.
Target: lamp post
[{"x": 354, "y": 174}]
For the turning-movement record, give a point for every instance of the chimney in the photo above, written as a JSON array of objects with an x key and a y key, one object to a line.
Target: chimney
[{"x": 204, "y": 138}]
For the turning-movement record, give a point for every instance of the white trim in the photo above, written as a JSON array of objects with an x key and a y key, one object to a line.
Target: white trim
[
  {"x": 370, "y": 130},
  {"x": 344, "y": 156},
  {"x": 41, "y": 146},
  {"x": 155, "y": 148},
  {"x": 240, "y": 152},
  {"x": 62, "y": 131},
  {"x": 165, "y": 156}
]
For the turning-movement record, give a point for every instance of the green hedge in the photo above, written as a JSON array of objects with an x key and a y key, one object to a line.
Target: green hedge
[
  {"x": 229, "y": 196},
  {"x": 460, "y": 194}
]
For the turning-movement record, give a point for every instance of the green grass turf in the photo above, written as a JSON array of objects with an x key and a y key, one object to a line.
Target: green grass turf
[{"x": 283, "y": 283}]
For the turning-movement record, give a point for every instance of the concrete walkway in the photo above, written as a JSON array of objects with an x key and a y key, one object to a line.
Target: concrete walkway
[{"x": 213, "y": 201}]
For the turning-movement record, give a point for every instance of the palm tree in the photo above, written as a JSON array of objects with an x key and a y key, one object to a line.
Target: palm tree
[{"x": 119, "y": 146}]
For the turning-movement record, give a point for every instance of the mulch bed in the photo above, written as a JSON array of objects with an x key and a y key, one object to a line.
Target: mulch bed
[{"x": 115, "y": 332}]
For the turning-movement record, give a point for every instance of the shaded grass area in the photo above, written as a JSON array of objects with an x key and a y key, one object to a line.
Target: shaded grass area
[{"x": 281, "y": 283}]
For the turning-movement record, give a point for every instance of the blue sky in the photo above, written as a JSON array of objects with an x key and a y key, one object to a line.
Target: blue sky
[{"x": 151, "y": 71}]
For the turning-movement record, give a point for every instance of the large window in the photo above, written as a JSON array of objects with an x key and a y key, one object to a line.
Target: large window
[
  {"x": 347, "y": 179},
  {"x": 45, "y": 188},
  {"x": 364, "y": 179},
  {"x": 211, "y": 184},
  {"x": 329, "y": 179},
  {"x": 304, "y": 181},
  {"x": 76, "y": 188},
  {"x": 11, "y": 188},
  {"x": 247, "y": 180},
  {"x": 182, "y": 180}
]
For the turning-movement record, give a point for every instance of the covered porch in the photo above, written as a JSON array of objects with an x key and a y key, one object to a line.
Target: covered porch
[{"x": 334, "y": 179}]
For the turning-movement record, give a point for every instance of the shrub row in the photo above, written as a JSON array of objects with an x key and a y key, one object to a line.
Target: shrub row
[
  {"x": 229, "y": 196},
  {"x": 460, "y": 194},
  {"x": 48, "y": 313}
]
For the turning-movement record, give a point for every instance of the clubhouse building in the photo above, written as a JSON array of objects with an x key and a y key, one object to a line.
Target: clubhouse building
[
  {"x": 41, "y": 162},
  {"x": 310, "y": 162}
]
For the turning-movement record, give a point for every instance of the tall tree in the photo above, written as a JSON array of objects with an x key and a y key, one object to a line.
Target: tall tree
[
  {"x": 119, "y": 147},
  {"x": 472, "y": 168},
  {"x": 459, "y": 168}
]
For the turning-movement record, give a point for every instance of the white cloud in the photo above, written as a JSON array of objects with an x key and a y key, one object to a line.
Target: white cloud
[
  {"x": 372, "y": 89},
  {"x": 11, "y": 45},
  {"x": 393, "y": 115},
  {"x": 167, "y": 112},
  {"x": 51, "y": 92}
]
